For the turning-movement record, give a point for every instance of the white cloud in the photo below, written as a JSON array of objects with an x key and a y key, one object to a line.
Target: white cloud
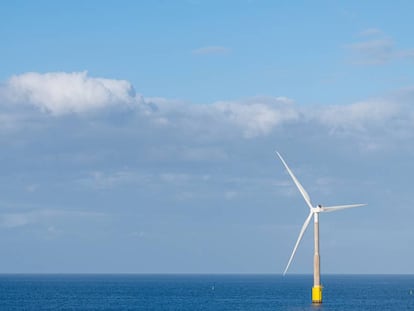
[
  {"x": 60, "y": 92},
  {"x": 358, "y": 116},
  {"x": 251, "y": 117},
  {"x": 258, "y": 116},
  {"x": 193, "y": 124}
]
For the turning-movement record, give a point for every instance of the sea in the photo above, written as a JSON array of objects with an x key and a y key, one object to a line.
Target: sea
[{"x": 203, "y": 292}]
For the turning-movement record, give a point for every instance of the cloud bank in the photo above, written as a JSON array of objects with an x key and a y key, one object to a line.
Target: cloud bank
[
  {"x": 377, "y": 49},
  {"x": 58, "y": 93},
  {"x": 169, "y": 167}
]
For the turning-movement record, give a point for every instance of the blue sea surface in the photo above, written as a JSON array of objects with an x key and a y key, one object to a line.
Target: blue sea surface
[{"x": 203, "y": 292}]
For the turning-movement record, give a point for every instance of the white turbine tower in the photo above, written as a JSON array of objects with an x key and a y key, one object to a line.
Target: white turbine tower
[{"x": 314, "y": 211}]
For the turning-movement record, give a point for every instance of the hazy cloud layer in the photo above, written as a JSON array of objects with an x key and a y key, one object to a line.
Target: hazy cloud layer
[
  {"x": 376, "y": 49},
  {"x": 25, "y": 218},
  {"x": 168, "y": 167}
]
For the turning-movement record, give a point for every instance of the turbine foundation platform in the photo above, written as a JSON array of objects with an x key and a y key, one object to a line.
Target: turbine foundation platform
[{"x": 317, "y": 294}]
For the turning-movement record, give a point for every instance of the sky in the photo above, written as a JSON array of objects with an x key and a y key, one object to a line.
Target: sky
[{"x": 141, "y": 136}]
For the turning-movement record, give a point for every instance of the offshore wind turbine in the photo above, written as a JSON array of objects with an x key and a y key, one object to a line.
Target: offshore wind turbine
[{"x": 314, "y": 212}]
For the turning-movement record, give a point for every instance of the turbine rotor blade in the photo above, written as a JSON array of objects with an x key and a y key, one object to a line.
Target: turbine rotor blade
[
  {"x": 302, "y": 231},
  {"x": 297, "y": 183},
  {"x": 339, "y": 207}
]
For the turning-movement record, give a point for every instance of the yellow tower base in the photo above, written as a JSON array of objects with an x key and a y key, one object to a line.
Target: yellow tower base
[{"x": 317, "y": 294}]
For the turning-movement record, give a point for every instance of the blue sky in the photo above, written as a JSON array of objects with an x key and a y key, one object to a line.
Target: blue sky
[{"x": 140, "y": 136}]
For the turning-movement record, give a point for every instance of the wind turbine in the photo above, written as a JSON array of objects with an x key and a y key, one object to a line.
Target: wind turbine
[{"x": 314, "y": 212}]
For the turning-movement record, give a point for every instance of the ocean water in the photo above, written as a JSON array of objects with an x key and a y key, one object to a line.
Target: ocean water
[{"x": 204, "y": 292}]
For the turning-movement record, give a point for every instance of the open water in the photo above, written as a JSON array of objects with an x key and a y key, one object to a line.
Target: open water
[{"x": 204, "y": 292}]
